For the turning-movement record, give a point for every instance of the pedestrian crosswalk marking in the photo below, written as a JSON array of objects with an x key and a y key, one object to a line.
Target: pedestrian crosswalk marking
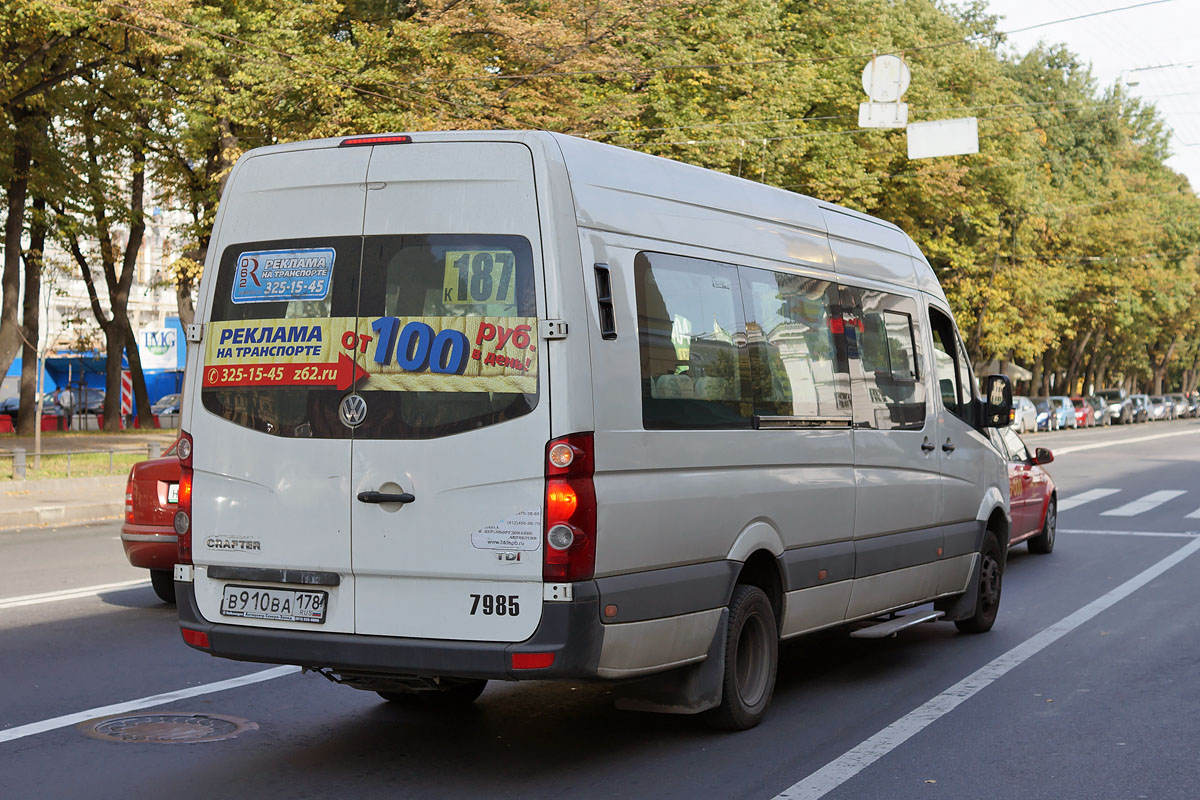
[
  {"x": 1085, "y": 497},
  {"x": 1143, "y": 504},
  {"x": 1194, "y": 515}
]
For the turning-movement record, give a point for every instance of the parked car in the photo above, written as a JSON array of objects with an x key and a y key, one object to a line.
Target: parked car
[
  {"x": 1024, "y": 415},
  {"x": 1194, "y": 404},
  {"x": 1047, "y": 414},
  {"x": 1161, "y": 408},
  {"x": 1182, "y": 407},
  {"x": 86, "y": 399},
  {"x": 1120, "y": 405},
  {"x": 168, "y": 404},
  {"x": 1085, "y": 414},
  {"x": 1141, "y": 407},
  {"x": 1066, "y": 411},
  {"x": 1103, "y": 414},
  {"x": 1034, "y": 499},
  {"x": 148, "y": 535},
  {"x": 50, "y": 407}
]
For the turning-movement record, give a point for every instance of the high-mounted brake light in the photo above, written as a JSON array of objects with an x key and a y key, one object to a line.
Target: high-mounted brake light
[
  {"x": 569, "y": 530},
  {"x": 183, "y": 516},
  {"x": 366, "y": 141}
]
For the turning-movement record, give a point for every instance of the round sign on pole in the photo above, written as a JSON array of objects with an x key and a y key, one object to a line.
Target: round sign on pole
[{"x": 886, "y": 78}]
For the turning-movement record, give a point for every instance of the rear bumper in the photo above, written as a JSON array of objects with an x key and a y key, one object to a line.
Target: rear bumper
[
  {"x": 572, "y": 631},
  {"x": 149, "y": 546}
]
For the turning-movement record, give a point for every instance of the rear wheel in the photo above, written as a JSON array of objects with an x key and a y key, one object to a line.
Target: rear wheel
[
  {"x": 460, "y": 694},
  {"x": 1044, "y": 542},
  {"x": 991, "y": 574},
  {"x": 751, "y": 661},
  {"x": 163, "y": 581}
]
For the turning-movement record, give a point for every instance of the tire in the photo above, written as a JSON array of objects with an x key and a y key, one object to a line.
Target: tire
[
  {"x": 460, "y": 695},
  {"x": 1043, "y": 543},
  {"x": 163, "y": 581},
  {"x": 991, "y": 579},
  {"x": 751, "y": 661}
]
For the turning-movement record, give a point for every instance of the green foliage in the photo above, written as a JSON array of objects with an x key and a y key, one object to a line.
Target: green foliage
[{"x": 1065, "y": 244}]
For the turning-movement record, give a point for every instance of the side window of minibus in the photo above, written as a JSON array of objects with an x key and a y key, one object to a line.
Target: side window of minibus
[
  {"x": 945, "y": 358},
  {"x": 893, "y": 391},
  {"x": 692, "y": 341},
  {"x": 798, "y": 363}
]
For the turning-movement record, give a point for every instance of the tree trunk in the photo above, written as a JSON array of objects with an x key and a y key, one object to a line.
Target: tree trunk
[
  {"x": 28, "y": 415},
  {"x": 114, "y": 345},
  {"x": 14, "y": 226},
  {"x": 1035, "y": 380}
]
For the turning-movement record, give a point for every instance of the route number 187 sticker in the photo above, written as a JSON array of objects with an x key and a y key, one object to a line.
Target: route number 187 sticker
[{"x": 266, "y": 276}]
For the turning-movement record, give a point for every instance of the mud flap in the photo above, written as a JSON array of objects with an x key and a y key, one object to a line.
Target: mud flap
[
  {"x": 689, "y": 690},
  {"x": 962, "y": 606}
]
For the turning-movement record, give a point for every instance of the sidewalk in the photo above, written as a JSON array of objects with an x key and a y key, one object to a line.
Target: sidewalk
[
  {"x": 61, "y": 501},
  {"x": 26, "y": 504}
]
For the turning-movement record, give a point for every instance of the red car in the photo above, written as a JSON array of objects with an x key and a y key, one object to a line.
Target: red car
[
  {"x": 1034, "y": 500},
  {"x": 1085, "y": 415},
  {"x": 148, "y": 534}
]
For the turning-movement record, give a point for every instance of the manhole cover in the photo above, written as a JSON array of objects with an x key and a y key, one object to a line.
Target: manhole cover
[{"x": 167, "y": 728}]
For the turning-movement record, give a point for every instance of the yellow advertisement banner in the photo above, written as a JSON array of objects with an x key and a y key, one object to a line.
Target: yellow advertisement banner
[{"x": 416, "y": 354}]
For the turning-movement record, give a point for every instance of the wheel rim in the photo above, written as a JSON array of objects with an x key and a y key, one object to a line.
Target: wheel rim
[
  {"x": 1051, "y": 522},
  {"x": 751, "y": 667},
  {"x": 989, "y": 583}
]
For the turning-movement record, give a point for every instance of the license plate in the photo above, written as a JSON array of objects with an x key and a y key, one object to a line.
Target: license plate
[{"x": 284, "y": 605}]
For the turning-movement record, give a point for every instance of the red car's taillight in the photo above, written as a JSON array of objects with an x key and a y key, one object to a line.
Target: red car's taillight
[
  {"x": 129, "y": 499},
  {"x": 183, "y": 516},
  {"x": 569, "y": 528}
]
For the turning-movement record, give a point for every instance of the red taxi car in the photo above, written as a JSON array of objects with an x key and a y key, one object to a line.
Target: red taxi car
[
  {"x": 1033, "y": 498},
  {"x": 1085, "y": 415},
  {"x": 148, "y": 534}
]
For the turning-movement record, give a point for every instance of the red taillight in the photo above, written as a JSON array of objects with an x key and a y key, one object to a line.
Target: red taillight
[
  {"x": 129, "y": 499},
  {"x": 569, "y": 525},
  {"x": 183, "y": 514},
  {"x": 532, "y": 660},
  {"x": 363, "y": 141},
  {"x": 195, "y": 638}
]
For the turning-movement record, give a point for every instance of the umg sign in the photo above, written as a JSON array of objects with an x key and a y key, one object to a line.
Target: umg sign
[{"x": 160, "y": 348}]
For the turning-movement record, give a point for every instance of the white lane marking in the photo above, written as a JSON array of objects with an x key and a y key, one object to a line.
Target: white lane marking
[
  {"x": 1194, "y": 515},
  {"x": 68, "y": 594},
  {"x": 846, "y": 766},
  {"x": 1076, "y": 500},
  {"x": 1143, "y": 504},
  {"x": 1081, "y": 447},
  {"x": 145, "y": 702},
  {"x": 1166, "y": 534}
]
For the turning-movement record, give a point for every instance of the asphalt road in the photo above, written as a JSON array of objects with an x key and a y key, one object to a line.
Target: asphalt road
[{"x": 1086, "y": 688}]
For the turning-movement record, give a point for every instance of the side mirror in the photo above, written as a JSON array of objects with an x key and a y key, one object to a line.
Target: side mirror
[
  {"x": 998, "y": 402},
  {"x": 1042, "y": 455}
]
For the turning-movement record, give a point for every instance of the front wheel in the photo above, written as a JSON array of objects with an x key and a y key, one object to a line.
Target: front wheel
[
  {"x": 163, "y": 581},
  {"x": 751, "y": 661},
  {"x": 991, "y": 575}
]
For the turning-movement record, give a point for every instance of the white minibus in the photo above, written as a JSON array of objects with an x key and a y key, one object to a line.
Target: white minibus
[{"x": 471, "y": 406}]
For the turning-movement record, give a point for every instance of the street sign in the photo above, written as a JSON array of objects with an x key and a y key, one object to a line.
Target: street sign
[
  {"x": 943, "y": 137},
  {"x": 885, "y": 79},
  {"x": 882, "y": 115}
]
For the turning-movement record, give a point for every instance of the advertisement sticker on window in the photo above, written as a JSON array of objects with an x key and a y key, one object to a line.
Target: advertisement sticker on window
[
  {"x": 267, "y": 276},
  {"x": 420, "y": 354}
]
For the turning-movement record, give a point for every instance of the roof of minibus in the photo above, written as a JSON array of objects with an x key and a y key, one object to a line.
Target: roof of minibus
[{"x": 642, "y": 175}]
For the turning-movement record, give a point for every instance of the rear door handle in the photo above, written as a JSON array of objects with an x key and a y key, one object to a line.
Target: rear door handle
[
  {"x": 948, "y": 447},
  {"x": 384, "y": 497},
  {"x": 928, "y": 446}
]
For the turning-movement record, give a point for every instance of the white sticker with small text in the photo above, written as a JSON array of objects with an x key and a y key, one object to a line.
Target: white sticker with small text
[{"x": 521, "y": 531}]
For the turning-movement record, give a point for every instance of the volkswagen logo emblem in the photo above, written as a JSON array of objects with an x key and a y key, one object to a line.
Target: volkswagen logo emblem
[{"x": 353, "y": 410}]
